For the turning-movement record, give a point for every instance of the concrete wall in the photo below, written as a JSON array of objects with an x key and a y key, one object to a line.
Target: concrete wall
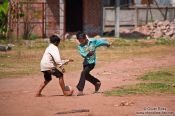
[
  {"x": 173, "y": 2},
  {"x": 132, "y": 17}
]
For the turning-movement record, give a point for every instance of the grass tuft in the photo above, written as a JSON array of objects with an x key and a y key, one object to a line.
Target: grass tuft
[
  {"x": 142, "y": 88},
  {"x": 161, "y": 76},
  {"x": 163, "y": 82}
]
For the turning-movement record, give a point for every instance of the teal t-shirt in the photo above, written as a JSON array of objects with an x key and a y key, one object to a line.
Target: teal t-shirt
[{"x": 91, "y": 46}]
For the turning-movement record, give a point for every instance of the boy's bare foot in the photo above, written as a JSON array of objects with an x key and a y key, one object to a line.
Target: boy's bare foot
[
  {"x": 80, "y": 93},
  {"x": 68, "y": 93},
  {"x": 97, "y": 87},
  {"x": 39, "y": 95}
]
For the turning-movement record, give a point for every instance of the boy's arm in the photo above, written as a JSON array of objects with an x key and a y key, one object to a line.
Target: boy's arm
[
  {"x": 60, "y": 62},
  {"x": 82, "y": 52},
  {"x": 55, "y": 54},
  {"x": 65, "y": 62},
  {"x": 99, "y": 43}
]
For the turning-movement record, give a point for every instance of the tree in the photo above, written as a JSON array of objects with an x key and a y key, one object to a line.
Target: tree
[
  {"x": 4, "y": 19},
  {"x": 30, "y": 15}
]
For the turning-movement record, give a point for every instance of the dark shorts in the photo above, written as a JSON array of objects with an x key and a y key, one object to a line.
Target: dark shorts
[{"x": 48, "y": 74}]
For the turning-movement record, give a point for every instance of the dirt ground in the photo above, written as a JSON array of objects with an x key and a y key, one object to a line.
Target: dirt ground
[{"x": 17, "y": 95}]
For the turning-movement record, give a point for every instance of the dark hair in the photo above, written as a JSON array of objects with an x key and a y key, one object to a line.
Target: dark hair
[
  {"x": 54, "y": 39},
  {"x": 81, "y": 35}
]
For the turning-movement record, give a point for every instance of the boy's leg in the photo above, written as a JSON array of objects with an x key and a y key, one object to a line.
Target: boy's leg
[
  {"x": 94, "y": 81},
  {"x": 62, "y": 84},
  {"x": 85, "y": 76},
  {"x": 38, "y": 94},
  {"x": 91, "y": 78},
  {"x": 59, "y": 75},
  {"x": 47, "y": 77},
  {"x": 81, "y": 83}
]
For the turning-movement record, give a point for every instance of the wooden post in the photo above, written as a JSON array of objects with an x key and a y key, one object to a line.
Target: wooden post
[
  {"x": 117, "y": 18},
  {"x": 149, "y": 2},
  {"x": 136, "y": 16},
  {"x": 159, "y": 8},
  {"x": 102, "y": 20},
  {"x": 17, "y": 22},
  {"x": 104, "y": 15},
  {"x": 61, "y": 16},
  {"x": 147, "y": 14},
  {"x": 9, "y": 21},
  {"x": 43, "y": 21}
]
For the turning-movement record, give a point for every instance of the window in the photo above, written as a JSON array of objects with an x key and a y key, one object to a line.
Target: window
[
  {"x": 126, "y": 3},
  {"x": 108, "y": 3},
  {"x": 123, "y": 3}
]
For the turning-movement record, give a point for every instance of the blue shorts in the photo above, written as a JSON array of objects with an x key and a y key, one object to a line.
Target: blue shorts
[{"x": 48, "y": 74}]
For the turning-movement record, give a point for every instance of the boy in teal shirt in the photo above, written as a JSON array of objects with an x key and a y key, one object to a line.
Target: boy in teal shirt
[{"x": 87, "y": 49}]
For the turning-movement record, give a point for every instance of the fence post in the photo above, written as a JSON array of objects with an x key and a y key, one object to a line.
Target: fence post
[
  {"x": 117, "y": 18},
  {"x": 43, "y": 20},
  {"x": 17, "y": 22},
  {"x": 136, "y": 16}
]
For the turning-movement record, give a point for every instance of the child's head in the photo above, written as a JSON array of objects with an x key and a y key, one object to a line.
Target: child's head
[
  {"x": 81, "y": 37},
  {"x": 54, "y": 39}
]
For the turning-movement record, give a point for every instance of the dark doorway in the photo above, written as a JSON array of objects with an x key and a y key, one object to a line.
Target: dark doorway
[
  {"x": 1, "y": 1},
  {"x": 74, "y": 15}
]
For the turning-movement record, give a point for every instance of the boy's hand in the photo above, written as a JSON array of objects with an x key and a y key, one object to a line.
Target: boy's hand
[
  {"x": 67, "y": 61},
  {"x": 108, "y": 45},
  {"x": 90, "y": 53},
  {"x": 71, "y": 60},
  {"x": 63, "y": 70}
]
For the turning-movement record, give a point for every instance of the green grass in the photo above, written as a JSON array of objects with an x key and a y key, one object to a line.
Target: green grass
[
  {"x": 162, "y": 82},
  {"x": 143, "y": 42},
  {"x": 165, "y": 76},
  {"x": 25, "y": 59},
  {"x": 142, "y": 88},
  {"x": 164, "y": 41}
]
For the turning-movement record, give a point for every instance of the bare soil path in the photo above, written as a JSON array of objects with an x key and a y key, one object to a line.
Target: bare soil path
[{"x": 17, "y": 95}]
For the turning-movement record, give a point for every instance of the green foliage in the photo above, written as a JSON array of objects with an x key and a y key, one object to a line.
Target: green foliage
[
  {"x": 30, "y": 14},
  {"x": 34, "y": 37},
  {"x": 3, "y": 18}
]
